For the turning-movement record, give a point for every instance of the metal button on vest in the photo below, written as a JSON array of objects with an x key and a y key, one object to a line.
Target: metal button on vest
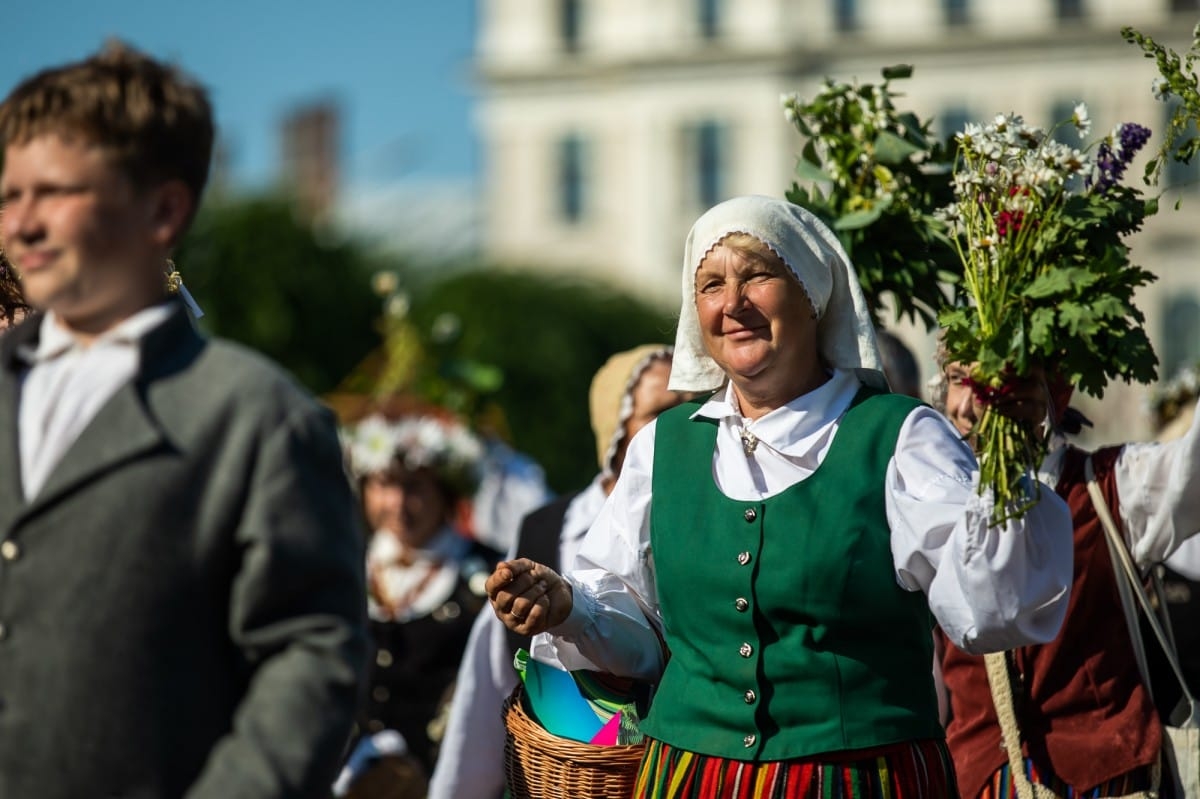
[
  {"x": 750, "y": 696},
  {"x": 10, "y": 550},
  {"x": 750, "y": 515},
  {"x": 383, "y": 658},
  {"x": 749, "y": 740},
  {"x": 741, "y": 604},
  {"x": 744, "y": 558},
  {"x": 745, "y": 650},
  {"x": 380, "y": 694}
]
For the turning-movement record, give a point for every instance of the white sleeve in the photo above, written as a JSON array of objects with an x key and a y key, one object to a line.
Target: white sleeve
[
  {"x": 1186, "y": 560},
  {"x": 470, "y": 763},
  {"x": 610, "y": 627},
  {"x": 1159, "y": 490},
  {"x": 990, "y": 588}
]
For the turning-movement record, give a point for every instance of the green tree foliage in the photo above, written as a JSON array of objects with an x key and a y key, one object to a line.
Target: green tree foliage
[
  {"x": 548, "y": 337},
  {"x": 266, "y": 279}
]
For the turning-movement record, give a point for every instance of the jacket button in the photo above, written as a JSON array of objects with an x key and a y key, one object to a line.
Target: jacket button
[
  {"x": 10, "y": 550},
  {"x": 380, "y": 694},
  {"x": 750, "y": 515},
  {"x": 741, "y": 604},
  {"x": 749, "y": 740},
  {"x": 744, "y": 558},
  {"x": 745, "y": 650},
  {"x": 383, "y": 658},
  {"x": 750, "y": 696}
]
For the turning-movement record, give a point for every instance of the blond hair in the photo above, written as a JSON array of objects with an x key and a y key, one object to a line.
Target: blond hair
[{"x": 154, "y": 122}]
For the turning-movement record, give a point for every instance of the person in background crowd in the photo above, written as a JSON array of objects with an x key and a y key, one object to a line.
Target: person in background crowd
[
  {"x": 425, "y": 578},
  {"x": 12, "y": 304},
  {"x": 1088, "y": 725},
  {"x": 627, "y": 393},
  {"x": 511, "y": 485},
  {"x": 786, "y": 672},
  {"x": 180, "y": 554},
  {"x": 899, "y": 365}
]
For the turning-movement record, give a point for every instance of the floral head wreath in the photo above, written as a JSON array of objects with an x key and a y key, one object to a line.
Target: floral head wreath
[{"x": 444, "y": 446}]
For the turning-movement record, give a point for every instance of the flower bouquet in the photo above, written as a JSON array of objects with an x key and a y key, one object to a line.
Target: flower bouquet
[
  {"x": 874, "y": 174},
  {"x": 1039, "y": 226}
]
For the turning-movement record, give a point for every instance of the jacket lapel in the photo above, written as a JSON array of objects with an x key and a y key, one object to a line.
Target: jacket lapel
[{"x": 123, "y": 430}]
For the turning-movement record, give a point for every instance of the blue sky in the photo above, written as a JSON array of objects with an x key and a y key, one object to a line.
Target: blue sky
[{"x": 399, "y": 70}]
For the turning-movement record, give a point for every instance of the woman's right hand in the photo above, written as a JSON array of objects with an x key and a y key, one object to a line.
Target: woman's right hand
[{"x": 528, "y": 597}]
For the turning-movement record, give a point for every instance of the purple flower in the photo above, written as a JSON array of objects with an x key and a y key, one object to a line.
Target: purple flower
[{"x": 1115, "y": 153}]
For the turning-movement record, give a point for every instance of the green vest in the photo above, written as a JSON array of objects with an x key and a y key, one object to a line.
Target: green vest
[{"x": 789, "y": 635}]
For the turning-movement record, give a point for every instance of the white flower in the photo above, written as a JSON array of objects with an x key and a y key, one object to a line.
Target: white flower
[
  {"x": 385, "y": 283},
  {"x": 1081, "y": 121},
  {"x": 397, "y": 306},
  {"x": 1161, "y": 88},
  {"x": 371, "y": 445}
]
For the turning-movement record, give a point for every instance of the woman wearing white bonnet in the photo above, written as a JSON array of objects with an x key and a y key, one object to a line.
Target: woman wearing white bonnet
[{"x": 785, "y": 539}]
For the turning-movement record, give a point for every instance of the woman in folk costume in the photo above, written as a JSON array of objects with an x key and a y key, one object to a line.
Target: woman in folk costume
[
  {"x": 425, "y": 580},
  {"x": 1087, "y": 723},
  {"x": 770, "y": 554}
]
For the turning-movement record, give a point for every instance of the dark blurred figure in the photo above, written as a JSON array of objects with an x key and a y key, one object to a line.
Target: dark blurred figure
[
  {"x": 899, "y": 364},
  {"x": 12, "y": 304}
]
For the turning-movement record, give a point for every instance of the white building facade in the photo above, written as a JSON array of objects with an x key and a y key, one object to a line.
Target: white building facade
[{"x": 608, "y": 126}]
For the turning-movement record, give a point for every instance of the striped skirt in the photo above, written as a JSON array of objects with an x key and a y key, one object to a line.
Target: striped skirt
[
  {"x": 912, "y": 770},
  {"x": 1001, "y": 785}
]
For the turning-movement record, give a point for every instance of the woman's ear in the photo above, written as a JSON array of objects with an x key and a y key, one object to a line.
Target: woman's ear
[{"x": 171, "y": 210}]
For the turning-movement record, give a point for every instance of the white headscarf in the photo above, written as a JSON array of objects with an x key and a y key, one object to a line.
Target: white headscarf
[{"x": 845, "y": 331}]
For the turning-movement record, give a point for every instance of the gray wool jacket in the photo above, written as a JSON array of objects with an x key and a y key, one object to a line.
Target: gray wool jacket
[{"x": 182, "y": 609}]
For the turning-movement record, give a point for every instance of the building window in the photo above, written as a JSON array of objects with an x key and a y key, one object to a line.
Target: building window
[
  {"x": 956, "y": 12},
  {"x": 708, "y": 18},
  {"x": 572, "y": 178},
  {"x": 1177, "y": 175},
  {"x": 952, "y": 120},
  {"x": 1180, "y": 334},
  {"x": 1069, "y": 9},
  {"x": 706, "y": 164},
  {"x": 570, "y": 23},
  {"x": 845, "y": 15},
  {"x": 1180, "y": 6}
]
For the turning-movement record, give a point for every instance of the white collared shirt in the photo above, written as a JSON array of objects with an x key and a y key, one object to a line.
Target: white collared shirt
[
  {"x": 67, "y": 384},
  {"x": 990, "y": 588}
]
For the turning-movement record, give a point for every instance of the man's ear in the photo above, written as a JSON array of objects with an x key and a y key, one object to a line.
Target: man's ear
[{"x": 171, "y": 210}]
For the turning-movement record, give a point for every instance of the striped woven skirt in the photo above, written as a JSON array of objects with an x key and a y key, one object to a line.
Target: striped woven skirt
[
  {"x": 912, "y": 770},
  {"x": 1001, "y": 786}
]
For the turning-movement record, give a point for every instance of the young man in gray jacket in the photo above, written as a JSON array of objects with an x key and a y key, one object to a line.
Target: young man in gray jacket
[{"x": 181, "y": 590}]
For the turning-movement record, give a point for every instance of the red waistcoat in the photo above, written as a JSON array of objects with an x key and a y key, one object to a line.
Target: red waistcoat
[{"x": 1081, "y": 706}]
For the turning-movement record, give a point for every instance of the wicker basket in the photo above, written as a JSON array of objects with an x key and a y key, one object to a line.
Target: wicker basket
[{"x": 539, "y": 765}]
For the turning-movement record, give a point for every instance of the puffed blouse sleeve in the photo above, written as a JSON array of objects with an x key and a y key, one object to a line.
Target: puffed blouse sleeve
[
  {"x": 614, "y": 625},
  {"x": 989, "y": 587}
]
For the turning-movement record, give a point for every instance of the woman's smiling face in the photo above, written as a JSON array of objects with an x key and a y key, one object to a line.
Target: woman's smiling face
[{"x": 756, "y": 321}]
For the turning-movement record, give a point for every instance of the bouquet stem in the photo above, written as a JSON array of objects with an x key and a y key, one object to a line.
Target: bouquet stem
[{"x": 1007, "y": 450}]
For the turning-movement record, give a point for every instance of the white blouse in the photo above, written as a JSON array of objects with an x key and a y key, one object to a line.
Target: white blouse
[{"x": 990, "y": 588}]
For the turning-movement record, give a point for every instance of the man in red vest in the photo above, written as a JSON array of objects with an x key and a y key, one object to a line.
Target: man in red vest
[{"x": 1087, "y": 722}]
